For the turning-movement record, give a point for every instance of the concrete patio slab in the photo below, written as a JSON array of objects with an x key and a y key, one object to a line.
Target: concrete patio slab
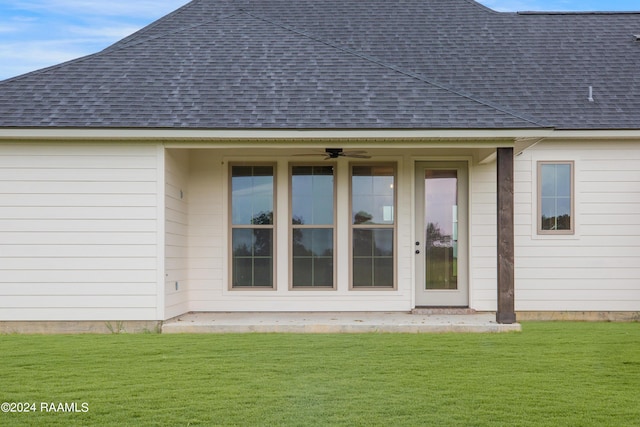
[{"x": 336, "y": 322}]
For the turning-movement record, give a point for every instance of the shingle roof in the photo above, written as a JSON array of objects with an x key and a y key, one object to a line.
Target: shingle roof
[{"x": 346, "y": 64}]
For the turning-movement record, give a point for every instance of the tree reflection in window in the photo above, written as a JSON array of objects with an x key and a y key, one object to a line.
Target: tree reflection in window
[
  {"x": 312, "y": 218},
  {"x": 373, "y": 225},
  {"x": 555, "y": 183},
  {"x": 252, "y": 240}
]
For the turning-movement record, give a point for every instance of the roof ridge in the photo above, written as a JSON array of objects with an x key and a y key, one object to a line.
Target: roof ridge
[{"x": 397, "y": 69}]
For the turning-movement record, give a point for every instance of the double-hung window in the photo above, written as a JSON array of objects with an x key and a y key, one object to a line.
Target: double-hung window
[
  {"x": 252, "y": 226},
  {"x": 312, "y": 226},
  {"x": 373, "y": 226},
  {"x": 555, "y": 198},
  {"x": 313, "y": 211}
]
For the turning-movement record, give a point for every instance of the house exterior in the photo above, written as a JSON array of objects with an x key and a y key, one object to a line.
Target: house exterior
[{"x": 328, "y": 156}]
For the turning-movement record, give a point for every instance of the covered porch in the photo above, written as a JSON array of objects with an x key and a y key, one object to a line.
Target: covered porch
[{"x": 199, "y": 261}]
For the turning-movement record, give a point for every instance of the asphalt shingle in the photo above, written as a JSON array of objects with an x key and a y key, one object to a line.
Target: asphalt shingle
[{"x": 355, "y": 64}]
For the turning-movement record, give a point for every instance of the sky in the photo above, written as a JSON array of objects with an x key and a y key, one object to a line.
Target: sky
[{"x": 39, "y": 33}]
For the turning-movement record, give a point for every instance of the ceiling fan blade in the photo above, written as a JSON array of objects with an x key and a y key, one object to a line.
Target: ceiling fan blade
[
  {"x": 356, "y": 156},
  {"x": 308, "y": 154},
  {"x": 334, "y": 153}
]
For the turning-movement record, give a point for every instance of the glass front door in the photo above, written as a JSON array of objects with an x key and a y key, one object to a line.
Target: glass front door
[{"x": 441, "y": 239}]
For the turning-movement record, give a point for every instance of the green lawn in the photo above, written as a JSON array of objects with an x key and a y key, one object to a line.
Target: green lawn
[{"x": 575, "y": 374}]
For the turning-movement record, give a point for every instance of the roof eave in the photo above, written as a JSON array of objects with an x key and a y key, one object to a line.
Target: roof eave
[{"x": 75, "y": 134}]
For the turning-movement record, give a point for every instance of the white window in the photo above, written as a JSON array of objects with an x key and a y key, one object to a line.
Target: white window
[
  {"x": 252, "y": 226},
  {"x": 312, "y": 227},
  {"x": 556, "y": 197},
  {"x": 373, "y": 206}
]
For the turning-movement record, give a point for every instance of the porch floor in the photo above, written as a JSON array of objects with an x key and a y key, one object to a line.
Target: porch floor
[{"x": 337, "y": 322}]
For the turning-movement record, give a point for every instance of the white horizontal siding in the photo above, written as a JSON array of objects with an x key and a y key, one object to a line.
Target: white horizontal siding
[
  {"x": 207, "y": 233},
  {"x": 78, "y": 232},
  {"x": 76, "y": 289},
  {"x": 597, "y": 269},
  {"x": 482, "y": 237},
  {"x": 176, "y": 288}
]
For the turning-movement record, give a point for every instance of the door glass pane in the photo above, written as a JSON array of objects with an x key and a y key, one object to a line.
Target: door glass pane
[{"x": 441, "y": 229}]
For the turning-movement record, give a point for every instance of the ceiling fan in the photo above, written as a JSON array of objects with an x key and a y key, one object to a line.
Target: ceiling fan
[{"x": 334, "y": 153}]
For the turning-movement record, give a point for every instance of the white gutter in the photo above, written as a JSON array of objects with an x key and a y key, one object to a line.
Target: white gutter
[
  {"x": 595, "y": 134},
  {"x": 259, "y": 134},
  {"x": 523, "y": 137}
]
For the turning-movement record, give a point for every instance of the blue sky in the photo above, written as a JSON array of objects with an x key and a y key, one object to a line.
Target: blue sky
[{"x": 39, "y": 33}]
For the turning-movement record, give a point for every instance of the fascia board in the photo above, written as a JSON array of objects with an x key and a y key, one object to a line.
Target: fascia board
[{"x": 281, "y": 135}]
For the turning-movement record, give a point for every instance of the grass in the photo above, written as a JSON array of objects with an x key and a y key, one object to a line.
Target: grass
[{"x": 555, "y": 374}]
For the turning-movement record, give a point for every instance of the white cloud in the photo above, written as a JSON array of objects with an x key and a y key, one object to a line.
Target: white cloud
[{"x": 39, "y": 33}]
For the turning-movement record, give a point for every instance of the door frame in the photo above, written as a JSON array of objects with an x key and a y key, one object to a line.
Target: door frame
[{"x": 441, "y": 297}]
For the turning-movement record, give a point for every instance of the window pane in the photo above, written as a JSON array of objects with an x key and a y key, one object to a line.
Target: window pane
[
  {"x": 555, "y": 196},
  {"x": 373, "y": 255},
  {"x": 302, "y": 271},
  {"x": 252, "y": 257},
  {"x": 362, "y": 242},
  {"x": 563, "y": 180},
  {"x": 312, "y": 195},
  {"x": 263, "y": 242},
  {"x": 383, "y": 272},
  {"x": 313, "y": 257},
  {"x": 263, "y": 272},
  {"x": 242, "y": 242},
  {"x": 372, "y": 199},
  {"x": 312, "y": 242},
  {"x": 383, "y": 242},
  {"x": 362, "y": 272},
  {"x": 548, "y": 180},
  {"x": 252, "y": 194},
  {"x": 323, "y": 271},
  {"x": 242, "y": 272}
]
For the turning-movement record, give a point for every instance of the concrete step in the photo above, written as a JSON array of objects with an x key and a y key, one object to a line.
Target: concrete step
[
  {"x": 443, "y": 311},
  {"x": 336, "y": 322}
]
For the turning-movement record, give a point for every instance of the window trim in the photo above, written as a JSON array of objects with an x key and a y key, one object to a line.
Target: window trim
[
  {"x": 231, "y": 227},
  {"x": 291, "y": 227},
  {"x": 572, "y": 228},
  {"x": 393, "y": 227}
]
